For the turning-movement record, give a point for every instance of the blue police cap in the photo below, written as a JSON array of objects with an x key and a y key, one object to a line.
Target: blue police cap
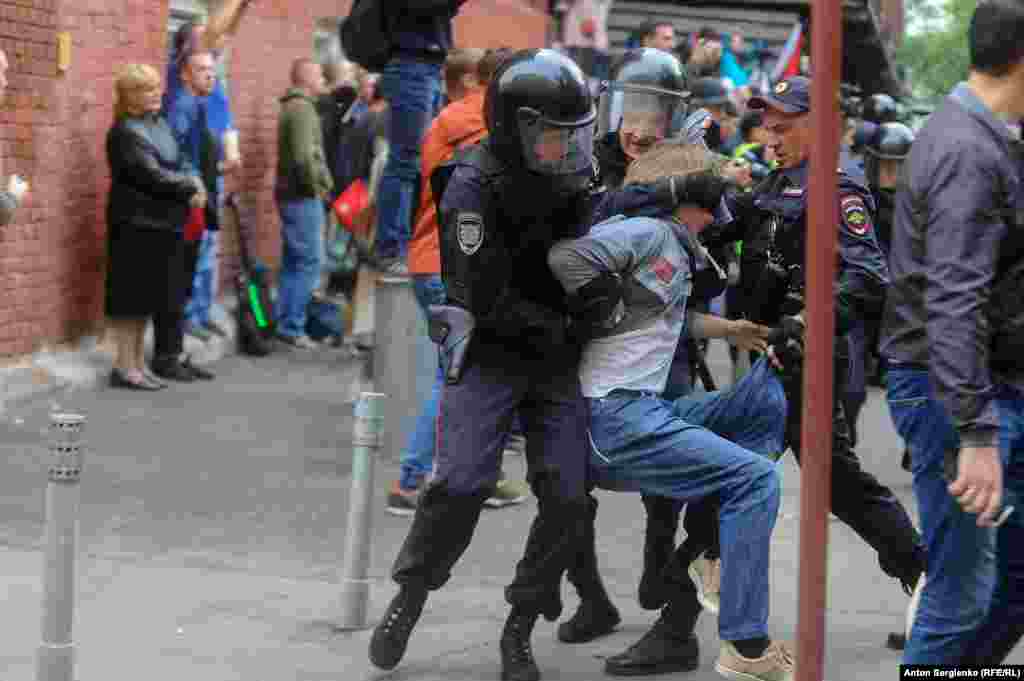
[{"x": 792, "y": 96}]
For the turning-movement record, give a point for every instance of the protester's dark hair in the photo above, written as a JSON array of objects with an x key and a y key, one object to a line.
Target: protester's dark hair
[
  {"x": 994, "y": 36},
  {"x": 491, "y": 61},
  {"x": 182, "y": 41},
  {"x": 297, "y": 66},
  {"x": 651, "y": 29},
  {"x": 749, "y": 122}
]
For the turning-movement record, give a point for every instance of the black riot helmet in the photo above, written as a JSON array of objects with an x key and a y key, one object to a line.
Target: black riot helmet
[
  {"x": 647, "y": 92},
  {"x": 880, "y": 108},
  {"x": 890, "y": 144},
  {"x": 540, "y": 114}
]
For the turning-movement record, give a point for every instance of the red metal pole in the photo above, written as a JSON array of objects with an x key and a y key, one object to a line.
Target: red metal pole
[{"x": 816, "y": 457}]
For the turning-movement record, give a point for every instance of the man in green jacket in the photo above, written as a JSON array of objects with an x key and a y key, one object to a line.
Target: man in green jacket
[{"x": 303, "y": 184}]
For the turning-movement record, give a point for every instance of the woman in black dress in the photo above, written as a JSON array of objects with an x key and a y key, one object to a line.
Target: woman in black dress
[{"x": 152, "y": 190}]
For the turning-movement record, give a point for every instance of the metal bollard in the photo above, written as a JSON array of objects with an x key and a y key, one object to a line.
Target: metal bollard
[
  {"x": 404, "y": 361},
  {"x": 355, "y": 588},
  {"x": 56, "y": 655}
]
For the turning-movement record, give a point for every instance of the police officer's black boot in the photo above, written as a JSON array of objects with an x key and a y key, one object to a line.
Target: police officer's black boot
[
  {"x": 669, "y": 646},
  {"x": 659, "y": 545},
  {"x": 596, "y": 615},
  {"x": 390, "y": 638},
  {"x": 517, "y": 663}
]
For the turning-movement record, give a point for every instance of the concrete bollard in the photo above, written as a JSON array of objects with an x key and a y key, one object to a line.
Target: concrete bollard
[
  {"x": 355, "y": 588},
  {"x": 404, "y": 359},
  {"x": 56, "y": 655}
]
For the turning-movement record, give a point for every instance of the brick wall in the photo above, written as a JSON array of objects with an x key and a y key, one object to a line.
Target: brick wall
[{"x": 53, "y": 127}]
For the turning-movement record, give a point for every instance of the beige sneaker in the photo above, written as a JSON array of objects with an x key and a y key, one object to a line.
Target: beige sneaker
[
  {"x": 776, "y": 664},
  {"x": 707, "y": 577},
  {"x": 508, "y": 493}
]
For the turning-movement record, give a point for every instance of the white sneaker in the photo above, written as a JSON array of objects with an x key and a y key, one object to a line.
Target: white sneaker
[{"x": 707, "y": 578}]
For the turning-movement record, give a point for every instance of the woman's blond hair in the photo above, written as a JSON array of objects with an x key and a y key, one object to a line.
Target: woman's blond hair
[
  {"x": 671, "y": 157},
  {"x": 130, "y": 81}
]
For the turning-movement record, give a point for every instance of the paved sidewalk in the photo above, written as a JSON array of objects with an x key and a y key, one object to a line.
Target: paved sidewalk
[{"x": 213, "y": 525}]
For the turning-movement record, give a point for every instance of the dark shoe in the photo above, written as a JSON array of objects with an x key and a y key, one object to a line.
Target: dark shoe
[
  {"x": 151, "y": 377},
  {"x": 390, "y": 638},
  {"x": 119, "y": 380},
  {"x": 593, "y": 619},
  {"x": 517, "y": 663},
  {"x": 199, "y": 372},
  {"x": 173, "y": 371},
  {"x": 906, "y": 462},
  {"x": 660, "y": 651}
]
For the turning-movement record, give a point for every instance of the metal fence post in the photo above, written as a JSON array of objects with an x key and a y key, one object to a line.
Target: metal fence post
[
  {"x": 56, "y": 655},
  {"x": 404, "y": 359},
  {"x": 355, "y": 588}
]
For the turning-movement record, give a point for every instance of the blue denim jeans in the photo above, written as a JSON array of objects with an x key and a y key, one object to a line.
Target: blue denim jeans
[
  {"x": 302, "y": 226},
  {"x": 962, "y": 567},
  {"x": 204, "y": 282},
  {"x": 651, "y": 445},
  {"x": 413, "y": 90},
  {"x": 418, "y": 456}
]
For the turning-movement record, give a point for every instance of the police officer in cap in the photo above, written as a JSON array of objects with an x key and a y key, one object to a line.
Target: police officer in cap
[{"x": 772, "y": 222}]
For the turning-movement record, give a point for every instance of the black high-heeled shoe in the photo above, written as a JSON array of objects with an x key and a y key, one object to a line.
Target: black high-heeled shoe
[{"x": 119, "y": 380}]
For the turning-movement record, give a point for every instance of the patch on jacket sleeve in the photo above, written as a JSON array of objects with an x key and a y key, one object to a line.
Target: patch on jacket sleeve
[
  {"x": 855, "y": 215},
  {"x": 469, "y": 229}
]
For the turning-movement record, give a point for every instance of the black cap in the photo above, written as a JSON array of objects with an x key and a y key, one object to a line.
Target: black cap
[{"x": 792, "y": 95}]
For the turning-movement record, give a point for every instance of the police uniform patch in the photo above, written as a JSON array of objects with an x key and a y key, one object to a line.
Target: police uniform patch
[
  {"x": 469, "y": 229},
  {"x": 855, "y": 215},
  {"x": 781, "y": 87}
]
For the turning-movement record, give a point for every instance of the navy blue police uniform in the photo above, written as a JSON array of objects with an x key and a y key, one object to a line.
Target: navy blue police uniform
[{"x": 772, "y": 223}]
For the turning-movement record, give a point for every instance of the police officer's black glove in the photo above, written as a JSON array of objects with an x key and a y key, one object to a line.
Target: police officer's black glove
[
  {"x": 786, "y": 342},
  {"x": 452, "y": 329}
]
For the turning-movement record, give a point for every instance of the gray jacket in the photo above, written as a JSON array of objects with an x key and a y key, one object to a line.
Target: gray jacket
[{"x": 951, "y": 221}]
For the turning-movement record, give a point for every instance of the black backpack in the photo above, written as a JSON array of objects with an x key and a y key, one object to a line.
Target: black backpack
[{"x": 366, "y": 34}]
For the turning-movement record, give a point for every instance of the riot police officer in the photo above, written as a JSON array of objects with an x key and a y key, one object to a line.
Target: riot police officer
[
  {"x": 880, "y": 108},
  {"x": 505, "y": 347},
  {"x": 772, "y": 222},
  {"x": 885, "y": 154}
]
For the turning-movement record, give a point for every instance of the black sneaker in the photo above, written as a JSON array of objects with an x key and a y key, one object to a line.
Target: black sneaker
[{"x": 390, "y": 638}]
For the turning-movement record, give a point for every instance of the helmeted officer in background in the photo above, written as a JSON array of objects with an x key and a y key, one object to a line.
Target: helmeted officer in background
[
  {"x": 506, "y": 347},
  {"x": 885, "y": 155},
  {"x": 772, "y": 222},
  {"x": 880, "y": 108}
]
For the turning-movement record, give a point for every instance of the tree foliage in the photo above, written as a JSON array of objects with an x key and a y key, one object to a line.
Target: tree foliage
[{"x": 935, "y": 52}]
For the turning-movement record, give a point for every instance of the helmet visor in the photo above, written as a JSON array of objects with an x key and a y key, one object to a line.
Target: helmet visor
[
  {"x": 645, "y": 113},
  {"x": 553, "y": 148}
]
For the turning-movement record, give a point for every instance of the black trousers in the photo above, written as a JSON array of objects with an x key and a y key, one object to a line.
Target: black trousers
[
  {"x": 169, "y": 321},
  {"x": 474, "y": 419}
]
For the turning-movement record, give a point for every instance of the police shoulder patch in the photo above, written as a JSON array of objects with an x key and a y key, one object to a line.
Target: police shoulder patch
[
  {"x": 469, "y": 230},
  {"x": 855, "y": 215}
]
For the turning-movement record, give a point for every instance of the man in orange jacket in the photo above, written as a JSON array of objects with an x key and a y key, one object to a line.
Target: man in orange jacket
[{"x": 459, "y": 124}]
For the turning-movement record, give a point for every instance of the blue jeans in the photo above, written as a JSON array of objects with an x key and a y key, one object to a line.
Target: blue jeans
[
  {"x": 204, "y": 282},
  {"x": 413, "y": 90},
  {"x": 302, "y": 226},
  {"x": 650, "y": 445},
  {"x": 418, "y": 456},
  {"x": 962, "y": 567}
]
